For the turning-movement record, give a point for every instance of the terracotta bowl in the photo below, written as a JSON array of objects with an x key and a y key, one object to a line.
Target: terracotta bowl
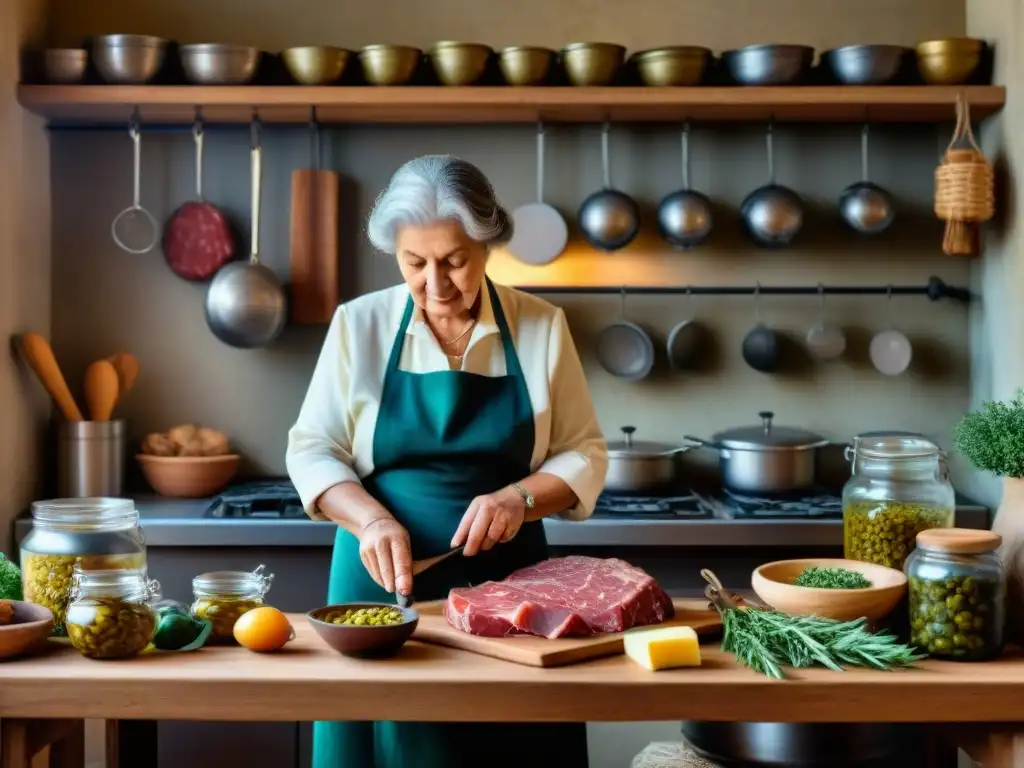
[
  {"x": 773, "y": 583},
  {"x": 368, "y": 642},
  {"x": 27, "y": 631},
  {"x": 188, "y": 477}
]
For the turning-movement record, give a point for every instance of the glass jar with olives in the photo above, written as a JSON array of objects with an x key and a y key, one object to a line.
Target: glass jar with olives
[
  {"x": 898, "y": 487},
  {"x": 110, "y": 614},
  {"x": 223, "y": 596},
  {"x": 96, "y": 533},
  {"x": 957, "y": 591}
]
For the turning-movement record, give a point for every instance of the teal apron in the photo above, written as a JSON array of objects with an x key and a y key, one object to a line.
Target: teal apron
[{"x": 442, "y": 439}]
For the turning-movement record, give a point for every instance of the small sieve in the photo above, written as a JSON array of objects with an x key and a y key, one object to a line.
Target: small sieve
[{"x": 135, "y": 215}]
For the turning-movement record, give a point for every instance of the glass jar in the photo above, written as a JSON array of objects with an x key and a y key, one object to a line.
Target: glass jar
[
  {"x": 110, "y": 615},
  {"x": 96, "y": 533},
  {"x": 957, "y": 592},
  {"x": 223, "y": 596},
  {"x": 898, "y": 487}
]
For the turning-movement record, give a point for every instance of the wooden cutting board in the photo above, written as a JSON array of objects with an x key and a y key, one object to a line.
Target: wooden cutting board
[{"x": 541, "y": 652}]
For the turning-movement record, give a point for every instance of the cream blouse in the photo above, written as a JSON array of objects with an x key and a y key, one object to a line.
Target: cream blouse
[{"x": 332, "y": 440}]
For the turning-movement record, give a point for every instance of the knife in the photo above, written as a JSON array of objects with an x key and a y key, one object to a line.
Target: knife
[{"x": 418, "y": 567}]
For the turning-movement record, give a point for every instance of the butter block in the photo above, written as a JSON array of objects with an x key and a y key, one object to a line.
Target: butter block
[{"x": 663, "y": 647}]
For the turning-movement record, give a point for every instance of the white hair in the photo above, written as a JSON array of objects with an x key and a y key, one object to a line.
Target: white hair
[{"x": 435, "y": 188}]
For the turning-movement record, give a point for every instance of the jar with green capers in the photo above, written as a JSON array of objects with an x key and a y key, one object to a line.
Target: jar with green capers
[
  {"x": 222, "y": 596},
  {"x": 110, "y": 615},
  {"x": 957, "y": 592},
  {"x": 898, "y": 487},
  {"x": 96, "y": 533}
]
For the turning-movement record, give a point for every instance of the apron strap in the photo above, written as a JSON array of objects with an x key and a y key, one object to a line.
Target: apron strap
[{"x": 399, "y": 344}]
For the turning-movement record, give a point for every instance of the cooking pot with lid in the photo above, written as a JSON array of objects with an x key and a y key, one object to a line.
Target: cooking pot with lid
[
  {"x": 765, "y": 458},
  {"x": 639, "y": 466}
]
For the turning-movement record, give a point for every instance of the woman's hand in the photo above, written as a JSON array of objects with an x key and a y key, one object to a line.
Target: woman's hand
[
  {"x": 386, "y": 554},
  {"x": 491, "y": 519}
]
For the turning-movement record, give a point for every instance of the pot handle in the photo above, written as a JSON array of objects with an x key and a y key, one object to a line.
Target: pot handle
[{"x": 699, "y": 442}]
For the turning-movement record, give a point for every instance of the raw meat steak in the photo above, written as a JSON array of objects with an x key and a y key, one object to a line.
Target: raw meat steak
[{"x": 561, "y": 597}]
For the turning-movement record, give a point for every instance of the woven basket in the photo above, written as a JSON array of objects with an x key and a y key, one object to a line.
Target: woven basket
[
  {"x": 964, "y": 188},
  {"x": 670, "y": 754}
]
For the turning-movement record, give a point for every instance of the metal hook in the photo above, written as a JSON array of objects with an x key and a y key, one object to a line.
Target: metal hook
[
  {"x": 622, "y": 299},
  {"x": 134, "y": 123}
]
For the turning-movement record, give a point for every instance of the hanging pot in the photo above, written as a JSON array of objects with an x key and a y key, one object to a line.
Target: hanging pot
[
  {"x": 684, "y": 217},
  {"x": 609, "y": 219},
  {"x": 772, "y": 214},
  {"x": 638, "y": 466},
  {"x": 766, "y": 458},
  {"x": 864, "y": 206}
]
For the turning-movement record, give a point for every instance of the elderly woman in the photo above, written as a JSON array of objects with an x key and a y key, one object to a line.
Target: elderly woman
[{"x": 446, "y": 411}]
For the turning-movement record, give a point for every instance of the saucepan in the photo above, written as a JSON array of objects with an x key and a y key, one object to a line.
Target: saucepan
[
  {"x": 639, "y": 466},
  {"x": 766, "y": 458}
]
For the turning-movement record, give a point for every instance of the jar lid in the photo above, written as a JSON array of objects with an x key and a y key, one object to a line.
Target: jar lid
[
  {"x": 234, "y": 582},
  {"x": 893, "y": 446},
  {"x": 628, "y": 448},
  {"x": 961, "y": 541},
  {"x": 113, "y": 582},
  {"x": 768, "y": 437},
  {"x": 94, "y": 512}
]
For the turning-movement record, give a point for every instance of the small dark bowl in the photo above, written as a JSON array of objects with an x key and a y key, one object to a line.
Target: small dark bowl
[{"x": 362, "y": 641}]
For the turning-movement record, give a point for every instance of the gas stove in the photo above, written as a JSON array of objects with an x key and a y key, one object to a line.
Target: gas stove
[
  {"x": 720, "y": 504},
  {"x": 262, "y": 500}
]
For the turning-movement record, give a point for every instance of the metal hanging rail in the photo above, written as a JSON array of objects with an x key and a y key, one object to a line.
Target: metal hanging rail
[{"x": 935, "y": 289}]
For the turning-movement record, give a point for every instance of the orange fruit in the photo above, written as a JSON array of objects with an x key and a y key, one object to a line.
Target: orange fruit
[{"x": 263, "y": 629}]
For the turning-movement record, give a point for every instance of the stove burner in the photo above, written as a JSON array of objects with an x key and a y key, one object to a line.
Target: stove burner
[
  {"x": 820, "y": 505},
  {"x": 610, "y": 505},
  {"x": 266, "y": 500}
]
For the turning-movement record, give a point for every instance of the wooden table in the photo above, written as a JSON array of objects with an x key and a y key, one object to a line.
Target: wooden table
[{"x": 309, "y": 681}]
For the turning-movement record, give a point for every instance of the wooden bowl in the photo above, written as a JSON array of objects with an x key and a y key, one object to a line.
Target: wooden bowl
[
  {"x": 773, "y": 583},
  {"x": 367, "y": 642},
  {"x": 188, "y": 477},
  {"x": 27, "y": 631}
]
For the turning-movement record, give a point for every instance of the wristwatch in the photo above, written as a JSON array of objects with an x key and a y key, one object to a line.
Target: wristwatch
[{"x": 528, "y": 499}]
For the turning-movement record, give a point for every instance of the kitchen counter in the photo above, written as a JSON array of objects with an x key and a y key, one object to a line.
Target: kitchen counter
[
  {"x": 180, "y": 523},
  {"x": 309, "y": 681}
]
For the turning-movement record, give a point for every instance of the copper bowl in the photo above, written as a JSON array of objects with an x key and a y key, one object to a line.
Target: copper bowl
[
  {"x": 188, "y": 477},
  {"x": 65, "y": 65},
  {"x": 680, "y": 65},
  {"x": 365, "y": 641},
  {"x": 459, "y": 63},
  {"x": 949, "y": 61},
  {"x": 315, "y": 64},
  {"x": 524, "y": 64},
  {"x": 389, "y": 64},
  {"x": 27, "y": 631},
  {"x": 593, "y": 64}
]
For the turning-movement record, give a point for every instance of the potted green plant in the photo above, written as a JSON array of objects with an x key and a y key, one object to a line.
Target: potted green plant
[{"x": 992, "y": 439}]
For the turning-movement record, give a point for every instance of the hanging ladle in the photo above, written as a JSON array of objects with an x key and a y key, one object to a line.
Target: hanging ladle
[
  {"x": 121, "y": 227},
  {"x": 866, "y": 207},
  {"x": 684, "y": 217}
]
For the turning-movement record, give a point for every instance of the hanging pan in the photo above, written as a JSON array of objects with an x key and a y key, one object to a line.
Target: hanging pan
[
  {"x": 609, "y": 219},
  {"x": 540, "y": 233},
  {"x": 198, "y": 238},
  {"x": 625, "y": 349}
]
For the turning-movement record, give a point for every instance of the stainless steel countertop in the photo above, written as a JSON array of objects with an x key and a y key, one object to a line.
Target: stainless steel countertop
[{"x": 180, "y": 523}]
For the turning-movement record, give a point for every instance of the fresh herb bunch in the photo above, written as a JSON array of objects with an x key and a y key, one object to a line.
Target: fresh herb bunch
[
  {"x": 831, "y": 578},
  {"x": 992, "y": 438},
  {"x": 767, "y": 641},
  {"x": 10, "y": 580}
]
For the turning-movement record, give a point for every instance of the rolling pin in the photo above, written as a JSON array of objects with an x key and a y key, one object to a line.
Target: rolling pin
[
  {"x": 39, "y": 355},
  {"x": 101, "y": 387},
  {"x": 314, "y": 242}
]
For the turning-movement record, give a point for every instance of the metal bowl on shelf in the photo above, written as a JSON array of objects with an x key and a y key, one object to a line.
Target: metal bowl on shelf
[
  {"x": 459, "y": 63},
  {"x": 865, "y": 64},
  {"x": 315, "y": 64},
  {"x": 525, "y": 64},
  {"x": 389, "y": 64},
  {"x": 219, "y": 63},
  {"x": 949, "y": 61},
  {"x": 769, "y": 64},
  {"x": 679, "y": 65},
  {"x": 593, "y": 64},
  {"x": 65, "y": 65},
  {"x": 128, "y": 59}
]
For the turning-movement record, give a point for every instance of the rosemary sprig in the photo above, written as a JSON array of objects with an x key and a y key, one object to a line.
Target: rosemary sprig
[
  {"x": 831, "y": 578},
  {"x": 767, "y": 641}
]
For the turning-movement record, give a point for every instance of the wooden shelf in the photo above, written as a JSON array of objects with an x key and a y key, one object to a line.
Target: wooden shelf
[{"x": 84, "y": 104}]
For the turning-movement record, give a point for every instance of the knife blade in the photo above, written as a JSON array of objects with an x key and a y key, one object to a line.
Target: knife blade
[{"x": 418, "y": 567}]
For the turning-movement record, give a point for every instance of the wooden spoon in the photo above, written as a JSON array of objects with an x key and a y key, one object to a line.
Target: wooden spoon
[
  {"x": 101, "y": 387},
  {"x": 39, "y": 355},
  {"x": 127, "y": 366}
]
